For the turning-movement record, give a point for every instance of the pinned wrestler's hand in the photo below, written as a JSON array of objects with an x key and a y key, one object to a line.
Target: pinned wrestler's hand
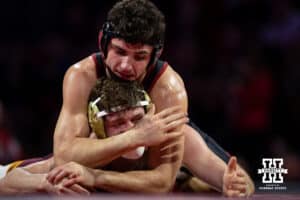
[
  {"x": 154, "y": 129},
  {"x": 71, "y": 174},
  {"x": 60, "y": 189},
  {"x": 234, "y": 180}
]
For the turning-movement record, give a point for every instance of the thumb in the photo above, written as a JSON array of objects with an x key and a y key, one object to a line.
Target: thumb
[
  {"x": 232, "y": 164},
  {"x": 152, "y": 109}
]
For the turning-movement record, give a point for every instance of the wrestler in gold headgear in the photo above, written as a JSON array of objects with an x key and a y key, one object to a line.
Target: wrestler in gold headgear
[{"x": 110, "y": 96}]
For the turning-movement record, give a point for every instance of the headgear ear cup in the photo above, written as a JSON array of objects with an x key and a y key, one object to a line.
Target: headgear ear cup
[
  {"x": 158, "y": 54},
  {"x": 99, "y": 40},
  {"x": 147, "y": 98},
  {"x": 157, "y": 51},
  {"x": 97, "y": 124},
  {"x": 105, "y": 35}
]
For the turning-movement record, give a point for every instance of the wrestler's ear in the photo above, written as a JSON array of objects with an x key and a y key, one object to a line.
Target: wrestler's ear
[{"x": 151, "y": 109}]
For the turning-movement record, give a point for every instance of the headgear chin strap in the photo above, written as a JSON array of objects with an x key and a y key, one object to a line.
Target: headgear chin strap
[{"x": 107, "y": 33}]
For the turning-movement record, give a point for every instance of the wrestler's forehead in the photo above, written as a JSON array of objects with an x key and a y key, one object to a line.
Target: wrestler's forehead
[
  {"x": 133, "y": 47},
  {"x": 128, "y": 113}
]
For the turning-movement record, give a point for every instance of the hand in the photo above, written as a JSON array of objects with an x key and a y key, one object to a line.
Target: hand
[
  {"x": 154, "y": 129},
  {"x": 234, "y": 180},
  {"x": 60, "y": 189},
  {"x": 74, "y": 173}
]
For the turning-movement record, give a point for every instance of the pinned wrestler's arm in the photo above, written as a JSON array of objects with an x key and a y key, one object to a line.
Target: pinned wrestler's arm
[{"x": 32, "y": 179}]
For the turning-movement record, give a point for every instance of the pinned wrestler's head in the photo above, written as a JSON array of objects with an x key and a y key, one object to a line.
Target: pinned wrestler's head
[
  {"x": 115, "y": 107},
  {"x": 132, "y": 38}
]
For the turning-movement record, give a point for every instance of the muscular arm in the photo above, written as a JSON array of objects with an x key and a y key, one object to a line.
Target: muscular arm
[
  {"x": 169, "y": 91},
  {"x": 32, "y": 179},
  {"x": 71, "y": 142},
  {"x": 153, "y": 180},
  {"x": 146, "y": 181},
  {"x": 204, "y": 160},
  {"x": 199, "y": 159},
  {"x": 28, "y": 179},
  {"x": 20, "y": 181},
  {"x": 164, "y": 163}
]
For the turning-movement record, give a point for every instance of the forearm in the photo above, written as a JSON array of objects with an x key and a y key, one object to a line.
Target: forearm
[
  {"x": 134, "y": 181},
  {"x": 200, "y": 160},
  {"x": 164, "y": 165},
  {"x": 19, "y": 181},
  {"x": 94, "y": 152},
  {"x": 209, "y": 163}
]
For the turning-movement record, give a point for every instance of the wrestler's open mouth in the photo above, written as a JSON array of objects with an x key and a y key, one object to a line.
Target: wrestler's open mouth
[{"x": 125, "y": 76}]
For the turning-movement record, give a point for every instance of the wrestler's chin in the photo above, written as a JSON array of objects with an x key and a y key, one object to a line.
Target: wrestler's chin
[{"x": 126, "y": 77}]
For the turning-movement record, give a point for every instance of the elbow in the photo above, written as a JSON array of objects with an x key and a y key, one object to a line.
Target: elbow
[
  {"x": 60, "y": 155},
  {"x": 167, "y": 187},
  {"x": 163, "y": 185}
]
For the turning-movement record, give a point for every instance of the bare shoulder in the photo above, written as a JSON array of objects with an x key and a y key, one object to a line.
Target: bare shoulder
[
  {"x": 169, "y": 90},
  {"x": 78, "y": 82},
  {"x": 84, "y": 69}
]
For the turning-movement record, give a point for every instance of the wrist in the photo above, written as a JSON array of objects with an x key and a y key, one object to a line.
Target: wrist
[
  {"x": 99, "y": 180},
  {"x": 134, "y": 140},
  {"x": 42, "y": 184}
]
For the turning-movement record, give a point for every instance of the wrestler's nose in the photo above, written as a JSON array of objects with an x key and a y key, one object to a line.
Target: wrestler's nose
[{"x": 126, "y": 64}]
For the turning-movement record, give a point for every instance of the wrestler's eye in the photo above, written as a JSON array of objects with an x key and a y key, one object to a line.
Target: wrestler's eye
[
  {"x": 140, "y": 58},
  {"x": 136, "y": 118},
  {"x": 118, "y": 123},
  {"x": 120, "y": 52}
]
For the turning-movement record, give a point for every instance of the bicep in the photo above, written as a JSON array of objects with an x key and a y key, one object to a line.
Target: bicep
[
  {"x": 169, "y": 91},
  {"x": 166, "y": 158},
  {"x": 68, "y": 127},
  {"x": 72, "y": 121}
]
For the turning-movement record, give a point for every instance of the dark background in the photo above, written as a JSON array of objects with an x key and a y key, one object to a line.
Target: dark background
[{"x": 239, "y": 60}]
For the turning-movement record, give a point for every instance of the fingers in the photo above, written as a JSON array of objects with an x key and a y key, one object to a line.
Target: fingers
[
  {"x": 240, "y": 173},
  {"x": 236, "y": 190},
  {"x": 62, "y": 174},
  {"x": 174, "y": 124},
  {"x": 238, "y": 187},
  {"x": 70, "y": 182},
  {"x": 239, "y": 180},
  {"x": 79, "y": 189},
  {"x": 168, "y": 111},
  {"x": 232, "y": 164},
  {"x": 151, "y": 110},
  {"x": 234, "y": 193},
  {"x": 51, "y": 175},
  {"x": 172, "y": 117},
  {"x": 173, "y": 135},
  {"x": 66, "y": 191}
]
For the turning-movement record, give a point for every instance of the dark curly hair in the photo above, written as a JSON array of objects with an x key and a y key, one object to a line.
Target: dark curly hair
[
  {"x": 138, "y": 21},
  {"x": 115, "y": 93}
]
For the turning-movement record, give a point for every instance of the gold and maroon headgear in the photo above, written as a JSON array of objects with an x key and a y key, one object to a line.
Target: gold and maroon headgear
[{"x": 109, "y": 96}]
